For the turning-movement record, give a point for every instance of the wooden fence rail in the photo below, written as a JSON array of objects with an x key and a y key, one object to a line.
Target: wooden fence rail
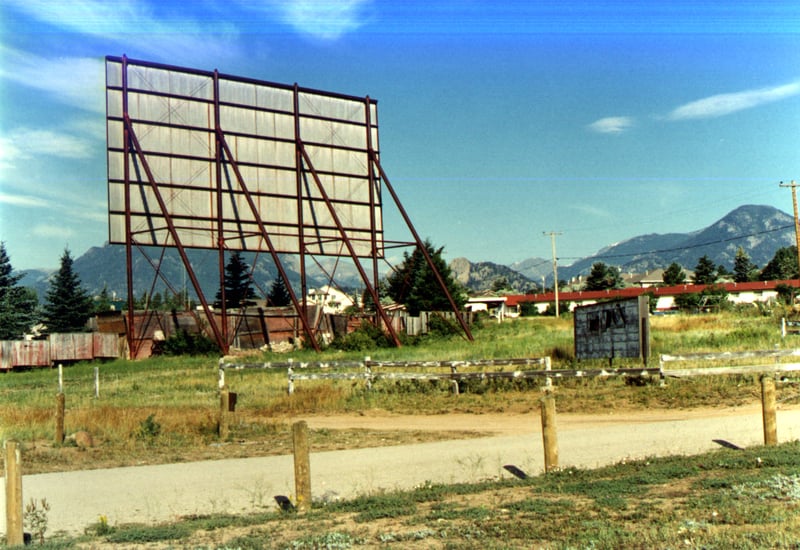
[
  {"x": 367, "y": 365},
  {"x": 761, "y": 368}
]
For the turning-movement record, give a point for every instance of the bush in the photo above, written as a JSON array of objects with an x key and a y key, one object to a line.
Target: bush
[
  {"x": 187, "y": 343},
  {"x": 528, "y": 309},
  {"x": 712, "y": 298},
  {"x": 365, "y": 338},
  {"x": 441, "y": 327}
]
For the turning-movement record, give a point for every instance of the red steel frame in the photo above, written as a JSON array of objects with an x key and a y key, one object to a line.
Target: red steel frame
[{"x": 303, "y": 167}]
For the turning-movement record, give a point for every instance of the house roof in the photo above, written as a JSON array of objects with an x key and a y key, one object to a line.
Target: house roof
[{"x": 632, "y": 292}]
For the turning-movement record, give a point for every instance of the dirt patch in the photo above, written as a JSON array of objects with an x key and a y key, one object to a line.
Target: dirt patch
[
  {"x": 374, "y": 428},
  {"x": 506, "y": 423}
]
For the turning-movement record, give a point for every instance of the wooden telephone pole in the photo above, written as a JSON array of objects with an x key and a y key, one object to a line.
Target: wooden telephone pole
[
  {"x": 555, "y": 266},
  {"x": 793, "y": 186}
]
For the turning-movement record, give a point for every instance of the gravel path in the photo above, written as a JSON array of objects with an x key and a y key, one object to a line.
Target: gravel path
[{"x": 150, "y": 494}]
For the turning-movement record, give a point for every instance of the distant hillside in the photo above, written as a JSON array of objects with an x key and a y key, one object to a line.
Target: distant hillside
[
  {"x": 534, "y": 268},
  {"x": 760, "y": 230},
  {"x": 483, "y": 275},
  {"x": 104, "y": 267}
]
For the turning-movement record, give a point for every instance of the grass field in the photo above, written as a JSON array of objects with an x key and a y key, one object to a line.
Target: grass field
[{"x": 165, "y": 410}]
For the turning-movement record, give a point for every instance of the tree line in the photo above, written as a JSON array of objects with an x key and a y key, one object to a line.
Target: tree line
[
  {"x": 782, "y": 266},
  {"x": 68, "y": 306}
]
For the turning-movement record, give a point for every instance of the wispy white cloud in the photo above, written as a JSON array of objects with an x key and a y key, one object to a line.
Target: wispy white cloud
[
  {"x": 53, "y": 231},
  {"x": 611, "y": 125},
  {"x": 324, "y": 19},
  {"x": 23, "y": 200},
  {"x": 592, "y": 210},
  {"x": 136, "y": 28},
  {"x": 77, "y": 81},
  {"x": 26, "y": 143},
  {"x": 89, "y": 16},
  {"x": 725, "y": 104}
]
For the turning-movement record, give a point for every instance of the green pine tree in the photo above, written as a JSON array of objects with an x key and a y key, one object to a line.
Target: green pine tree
[
  {"x": 238, "y": 284},
  {"x": 604, "y": 277},
  {"x": 18, "y": 304},
  {"x": 674, "y": 275},
  {"x": 743, "y": 269},
  {"x": 782, "y": 266},
  {"x": 705, "y": 272},
  {"x": 278, "y": 294},
  {"x": 415, "y": 285},
  {"x": 68, "y": 306}
]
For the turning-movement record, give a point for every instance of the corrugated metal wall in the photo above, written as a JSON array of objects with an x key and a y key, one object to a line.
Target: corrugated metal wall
[{"x": 79, "y": 346}]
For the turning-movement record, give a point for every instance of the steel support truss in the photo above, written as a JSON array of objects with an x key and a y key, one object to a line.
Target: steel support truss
[{"x": 133, "y": 153}]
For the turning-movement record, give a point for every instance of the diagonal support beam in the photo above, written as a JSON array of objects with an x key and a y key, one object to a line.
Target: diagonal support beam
[
  {"x": 221, "y": 342},
  {"x": 373, "y": 292},
  {"x": 254, "y": 209},
  {"x": 374, "y": 158}
]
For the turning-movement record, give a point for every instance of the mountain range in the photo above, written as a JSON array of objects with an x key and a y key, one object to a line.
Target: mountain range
[{"x": 759, "y": 230}]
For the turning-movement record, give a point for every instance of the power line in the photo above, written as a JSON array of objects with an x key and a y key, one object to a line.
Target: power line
[{"x": 700, "y": 245}]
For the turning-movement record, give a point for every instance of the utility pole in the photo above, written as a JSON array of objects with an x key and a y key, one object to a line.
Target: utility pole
[
  {"x": 793, "y": 186},
  {"x": 555, "y": 265}
]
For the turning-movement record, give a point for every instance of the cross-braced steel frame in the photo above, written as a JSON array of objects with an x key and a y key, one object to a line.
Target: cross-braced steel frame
[{"x": 225, "y": 163}]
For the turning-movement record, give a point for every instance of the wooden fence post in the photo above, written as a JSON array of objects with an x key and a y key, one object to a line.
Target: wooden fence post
[
  {"x": 549, "y": 433},
  {"x": 302, "y": 466},
  {"x": 97, "y": 382},
  {"x": 224, "y": 406},
  {"x": 60, "y": 407},
  {"x": 768, "y": 406},
  {"x": 13, "y": 479}
]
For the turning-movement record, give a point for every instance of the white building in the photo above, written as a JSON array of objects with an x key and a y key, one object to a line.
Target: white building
[{"x": 332, "y": 300}]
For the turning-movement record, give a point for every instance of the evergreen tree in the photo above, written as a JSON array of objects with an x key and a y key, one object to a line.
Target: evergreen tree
[
  {"x": 278, "y": 294},
  {"x": 238, "y": 284},
  {"x": 414, "y": 282},
  {"x": 179, "y": 301},
  {"x": 743, "y": 269},
  {"x": 367, "y": 302},
  {"x": 17, "y": 304},
  {"x": 705, "y": 272},
  {"x": 68, "y": 306},
  {"x": 501, "y": 285},
  {"x": 603, "y": 277},
  {"x": 102, "y": 302},
  {"x": 782, "y": 266},
  {"x": 674, "y": 275}
]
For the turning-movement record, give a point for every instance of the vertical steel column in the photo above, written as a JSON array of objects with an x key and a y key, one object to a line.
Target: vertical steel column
[
  {"x": 371, "y": 178},
  {"x": 301, "y": 235},
  {"x": 220, "y": 217},
  {"x": 132, "y": 345}
]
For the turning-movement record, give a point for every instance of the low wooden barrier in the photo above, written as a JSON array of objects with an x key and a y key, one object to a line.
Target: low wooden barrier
[
  {"x": 760, "y": 365},
  {"x": 789, "y": 327},
  {"x": 370, "y": 371},
  {"x": 767, "y": 374}
]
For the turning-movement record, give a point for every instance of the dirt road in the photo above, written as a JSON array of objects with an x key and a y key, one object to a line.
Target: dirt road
[{"x": 151, "y": 494}]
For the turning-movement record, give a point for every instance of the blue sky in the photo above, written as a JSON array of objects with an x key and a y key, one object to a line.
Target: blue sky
[{"x": 499, "y": 120}]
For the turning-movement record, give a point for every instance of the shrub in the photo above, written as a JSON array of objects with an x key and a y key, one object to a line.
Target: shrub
[
  {"x": 528, "y": 309},
  {"x": 440, "y": 327},
  {"x": 186, "y": 343},
  {"x": 366, "y": 337}
]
